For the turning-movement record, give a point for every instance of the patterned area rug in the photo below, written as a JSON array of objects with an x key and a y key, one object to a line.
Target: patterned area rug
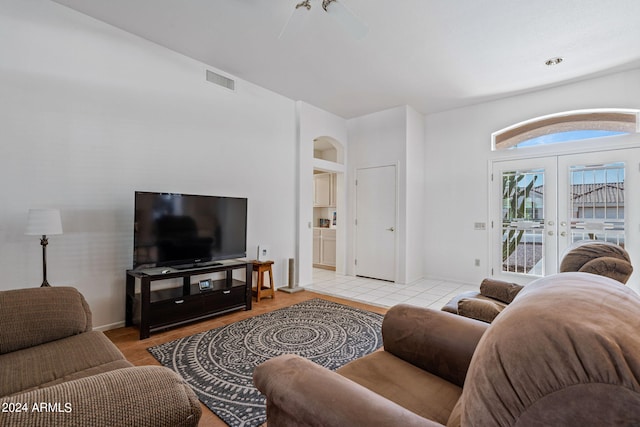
[{"x": 219, "y": 363}]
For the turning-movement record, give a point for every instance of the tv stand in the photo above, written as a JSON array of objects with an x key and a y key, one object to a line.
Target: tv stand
[{"x": 155, "y": 309}]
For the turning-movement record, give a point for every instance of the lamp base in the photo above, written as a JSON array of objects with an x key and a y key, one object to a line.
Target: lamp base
[
  {"x": 291, "y": 290},
  {"x": 44, "y": 242}
]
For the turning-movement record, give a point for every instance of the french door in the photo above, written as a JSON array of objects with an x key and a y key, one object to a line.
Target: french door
[{"x": 542, "y": 205}]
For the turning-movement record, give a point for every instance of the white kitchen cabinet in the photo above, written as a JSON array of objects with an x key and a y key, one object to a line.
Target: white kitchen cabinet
[
  {"x": 324, "y": 190},
  {"x": 316, "y": 246},
  {"x": 328, "y": 247},
  {"x": 324, "y": 248}
]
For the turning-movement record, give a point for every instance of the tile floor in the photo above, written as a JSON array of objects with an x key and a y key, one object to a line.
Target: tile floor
[{"x": 424, "y": 293}]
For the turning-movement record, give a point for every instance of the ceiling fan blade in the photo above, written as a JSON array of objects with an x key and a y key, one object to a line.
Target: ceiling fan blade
[
  {"x": 296, "y": 22},
  {"x": 346, "y": 18}
]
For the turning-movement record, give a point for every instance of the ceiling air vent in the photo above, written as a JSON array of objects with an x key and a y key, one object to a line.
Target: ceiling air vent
[{"x": 221, "y": 80}]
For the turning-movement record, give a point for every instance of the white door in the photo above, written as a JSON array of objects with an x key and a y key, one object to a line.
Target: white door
[
  {"x": 543, "y": 205},
  {"x": 376, "y": 206}
]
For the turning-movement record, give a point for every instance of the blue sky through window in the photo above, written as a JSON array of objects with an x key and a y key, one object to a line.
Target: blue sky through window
[
  {"x": 612, "y": 173},
  {"x": 576, "y": 135}
]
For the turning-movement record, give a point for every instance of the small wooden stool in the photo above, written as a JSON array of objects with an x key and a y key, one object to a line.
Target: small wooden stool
[{"x": 264, "y": 267}]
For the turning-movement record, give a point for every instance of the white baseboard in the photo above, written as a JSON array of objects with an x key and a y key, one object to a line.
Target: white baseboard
[{"x": 109, "y": 327}]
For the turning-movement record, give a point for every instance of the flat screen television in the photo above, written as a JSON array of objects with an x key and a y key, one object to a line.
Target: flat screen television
[{"x": 186, "y": 230}]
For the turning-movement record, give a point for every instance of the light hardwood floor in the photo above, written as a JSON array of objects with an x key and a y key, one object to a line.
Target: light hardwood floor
[{"x": 135, "y": 350}]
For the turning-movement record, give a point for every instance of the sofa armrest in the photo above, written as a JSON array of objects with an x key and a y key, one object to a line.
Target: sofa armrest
[
  {"x": 436, "y": 341},
  {"x": 502, "y": 291},
  {"x": 302, "y": 393},
  {"x": 34, "y": 316},
  {"x": 136, "y": 396},
  {"x": 611, "y": 267}
]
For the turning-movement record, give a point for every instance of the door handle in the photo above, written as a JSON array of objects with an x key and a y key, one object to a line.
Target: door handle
[{"x": 391, "y": 229}]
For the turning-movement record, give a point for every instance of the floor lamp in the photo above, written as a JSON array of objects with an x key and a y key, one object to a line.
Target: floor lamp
[{"x": 43, "y": 222}]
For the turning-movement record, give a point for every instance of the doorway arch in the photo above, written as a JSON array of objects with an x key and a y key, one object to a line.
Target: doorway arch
[
  {"x": 328, "y": 162},
  {"x": 315, "y": 125}
]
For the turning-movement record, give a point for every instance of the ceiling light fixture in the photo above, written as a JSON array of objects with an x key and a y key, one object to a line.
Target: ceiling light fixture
[
  {"x": 554, "y": 61},
  {"x": 336, "y": 9}
]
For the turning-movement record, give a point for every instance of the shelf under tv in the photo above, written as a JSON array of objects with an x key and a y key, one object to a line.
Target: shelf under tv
[{"x": 156, "y": 309}]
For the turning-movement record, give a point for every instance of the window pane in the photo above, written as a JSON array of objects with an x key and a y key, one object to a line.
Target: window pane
[
  {"x": 568, "y": 126},
  {"x": 560, "y": 137},
  {"x": 523, "y": 221},
  {"x": 597, "y": 203}
]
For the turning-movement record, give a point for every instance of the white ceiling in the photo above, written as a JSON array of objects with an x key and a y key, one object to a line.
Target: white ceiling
[{"x": 431, "y": 54}]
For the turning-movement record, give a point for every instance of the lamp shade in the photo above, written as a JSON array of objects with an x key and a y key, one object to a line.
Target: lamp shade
[{"x": 43, "y": 222}]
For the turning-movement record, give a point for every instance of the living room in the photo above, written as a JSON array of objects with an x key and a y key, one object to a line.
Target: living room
[{"x": 91, "y": 113}]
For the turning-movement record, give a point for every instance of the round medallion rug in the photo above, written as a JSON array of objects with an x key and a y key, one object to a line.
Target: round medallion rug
[{"x": 219, "y": 363}]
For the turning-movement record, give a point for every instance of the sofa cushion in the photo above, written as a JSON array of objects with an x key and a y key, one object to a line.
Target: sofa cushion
[
  {"x": 69, "y": 358},
  {"x": 480, "y": 309},
  {"x": 397, "y": 380},
  {"x": 452, "y": 305},
  {"x": 38, "y": 315},
  {"x": 566, "y": 351}
]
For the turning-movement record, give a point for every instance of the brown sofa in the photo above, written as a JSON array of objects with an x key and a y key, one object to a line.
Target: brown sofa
[
  {"x": 587, "y": 256},
  {"x": 485, "y": 305},
  {"x": 565, "y": 352},
  {"x": 56, "y": 371},
  {"x": 598, "y": 257}
]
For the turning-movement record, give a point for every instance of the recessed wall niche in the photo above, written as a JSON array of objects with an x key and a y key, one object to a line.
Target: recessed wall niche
[{"x": 324, "y": 149}]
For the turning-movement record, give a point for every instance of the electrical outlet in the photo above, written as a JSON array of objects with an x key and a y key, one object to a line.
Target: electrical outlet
[{"x": 477, "y": 262}]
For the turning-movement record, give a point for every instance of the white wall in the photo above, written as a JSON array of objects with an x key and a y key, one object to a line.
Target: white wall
[
  {"x": 458, "y": 150},
  {"x": 393, "y": 137},
  {"x": 415, "y": 203},
  {"x": 89, "y": 114},
  {"x": 313, "y": 123}
]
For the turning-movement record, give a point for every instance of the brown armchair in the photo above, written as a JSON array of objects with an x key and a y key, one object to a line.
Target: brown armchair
[
  {"x": 565, "y": 352},
  {"x": 50, "y": 355}
]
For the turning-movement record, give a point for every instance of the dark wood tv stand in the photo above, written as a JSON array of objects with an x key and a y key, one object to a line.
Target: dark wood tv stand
[{"x": 156, "y": 309}]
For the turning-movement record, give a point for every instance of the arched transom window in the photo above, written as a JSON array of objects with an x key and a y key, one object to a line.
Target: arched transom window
[{"x": 565, "y": 127}]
